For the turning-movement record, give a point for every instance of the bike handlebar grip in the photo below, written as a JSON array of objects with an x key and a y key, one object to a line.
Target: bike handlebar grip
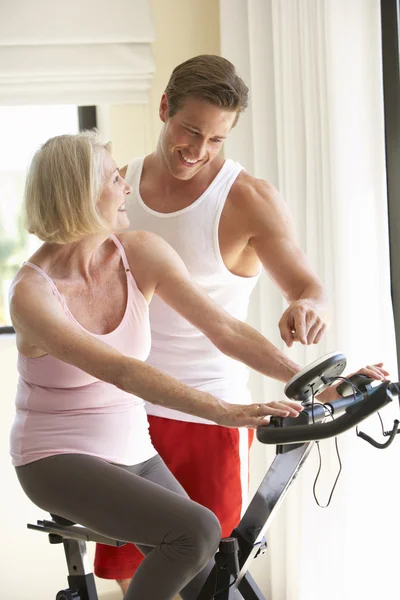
[
  {"x": 300, "y": 433},
  {"x": 355, "y": 413},
  {"x": 340, "y": 405}
]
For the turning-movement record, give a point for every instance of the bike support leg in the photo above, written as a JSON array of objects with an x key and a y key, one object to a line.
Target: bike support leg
[{"x": 254, "y": 524}]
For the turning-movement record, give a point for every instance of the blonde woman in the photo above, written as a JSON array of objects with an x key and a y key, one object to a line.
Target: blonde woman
[{"x": 80, "y": 440}]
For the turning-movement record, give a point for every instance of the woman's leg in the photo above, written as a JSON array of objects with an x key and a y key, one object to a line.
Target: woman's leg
[
  {"x": 156, "y": 470},
  {"x": 210, "y": 462},
  {"x": 178, "y": 535}
]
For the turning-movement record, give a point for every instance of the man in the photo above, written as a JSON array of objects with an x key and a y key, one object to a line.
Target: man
[{"x": 225, "y": 225}]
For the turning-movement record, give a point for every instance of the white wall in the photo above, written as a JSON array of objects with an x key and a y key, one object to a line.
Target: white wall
[
  {"x": 183, "y": 30},
  {"x": 30, "y": 566}
]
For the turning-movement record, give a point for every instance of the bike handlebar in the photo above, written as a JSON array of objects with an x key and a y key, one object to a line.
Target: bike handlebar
[{"x": 307, "y": 427}]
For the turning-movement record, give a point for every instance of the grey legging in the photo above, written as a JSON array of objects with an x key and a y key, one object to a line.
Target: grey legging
[{"x": 143, "y": 504}]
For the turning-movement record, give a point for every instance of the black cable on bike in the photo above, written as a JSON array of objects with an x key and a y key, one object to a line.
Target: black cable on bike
[
  {"x": 224, "y": 589},
  {"x": 390, "y": 434},
  {"x": 314, "y": 403},
  {"x": 379, "y": 445},
  {"x": 364, "y": 436}
]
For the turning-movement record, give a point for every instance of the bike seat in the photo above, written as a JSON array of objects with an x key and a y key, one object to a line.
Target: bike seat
[{"x": 61, "y": 520}]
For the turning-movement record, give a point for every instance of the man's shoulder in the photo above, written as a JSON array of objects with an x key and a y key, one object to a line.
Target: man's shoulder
[
  {"x": 257, "y": 204},
  {"x": 251, "y": 192}
]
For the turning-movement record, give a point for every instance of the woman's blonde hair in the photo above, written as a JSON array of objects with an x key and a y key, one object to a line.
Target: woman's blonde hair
[{"x": 63, "y": 184}]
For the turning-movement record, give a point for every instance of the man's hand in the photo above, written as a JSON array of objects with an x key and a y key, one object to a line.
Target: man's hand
[{"x": 303, "y": 321}]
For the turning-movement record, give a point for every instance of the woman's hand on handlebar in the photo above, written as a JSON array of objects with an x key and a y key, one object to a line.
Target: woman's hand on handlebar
[
  {"x": 376, "y": 372},
  {"x": 254, "y": 415}
]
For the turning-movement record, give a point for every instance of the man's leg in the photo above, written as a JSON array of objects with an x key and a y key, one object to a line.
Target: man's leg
[{"x": 123, "y": 584}]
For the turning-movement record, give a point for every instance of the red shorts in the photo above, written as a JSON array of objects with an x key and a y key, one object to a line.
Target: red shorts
[{"x": 210, "y": 462}]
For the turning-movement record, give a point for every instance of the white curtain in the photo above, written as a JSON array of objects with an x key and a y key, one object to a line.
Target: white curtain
[
  {"x": 80, "y": 52},
  {"x": 315, "y": 130}
]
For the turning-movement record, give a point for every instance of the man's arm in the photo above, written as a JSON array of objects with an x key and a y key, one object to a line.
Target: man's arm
[{"x": 273, "y": 237}]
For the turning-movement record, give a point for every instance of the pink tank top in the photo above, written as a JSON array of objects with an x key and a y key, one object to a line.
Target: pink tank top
[{"x": 63, "y": 410}]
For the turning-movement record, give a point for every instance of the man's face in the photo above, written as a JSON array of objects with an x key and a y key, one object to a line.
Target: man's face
[{"x": 193, "y": 137}]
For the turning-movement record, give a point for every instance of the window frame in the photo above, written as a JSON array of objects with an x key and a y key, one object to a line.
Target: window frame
[
  {"x": 87, "y": 119},
  {"x": 390, "y": 16}
]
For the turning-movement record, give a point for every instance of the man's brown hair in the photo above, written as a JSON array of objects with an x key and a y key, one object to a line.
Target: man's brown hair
[{"x": 211, "y": 78}]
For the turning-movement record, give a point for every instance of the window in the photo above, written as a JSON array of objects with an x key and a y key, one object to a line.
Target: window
[{"x": 24, "y": 129}]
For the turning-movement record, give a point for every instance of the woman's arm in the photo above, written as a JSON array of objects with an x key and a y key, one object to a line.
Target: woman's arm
[{"x": 39, "y": 320}]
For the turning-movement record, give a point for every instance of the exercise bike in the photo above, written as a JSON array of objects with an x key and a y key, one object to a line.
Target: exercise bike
[{"x": 294, "y": 439}]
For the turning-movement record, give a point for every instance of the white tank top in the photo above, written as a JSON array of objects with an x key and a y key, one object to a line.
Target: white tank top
[{"x": 178, "y": 348}]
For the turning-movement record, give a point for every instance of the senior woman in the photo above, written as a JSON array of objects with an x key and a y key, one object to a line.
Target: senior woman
[{"x": 80, "y": 440}]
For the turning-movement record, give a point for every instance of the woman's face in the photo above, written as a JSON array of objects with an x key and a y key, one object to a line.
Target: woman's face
[{"x": 111, "y": 202}]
